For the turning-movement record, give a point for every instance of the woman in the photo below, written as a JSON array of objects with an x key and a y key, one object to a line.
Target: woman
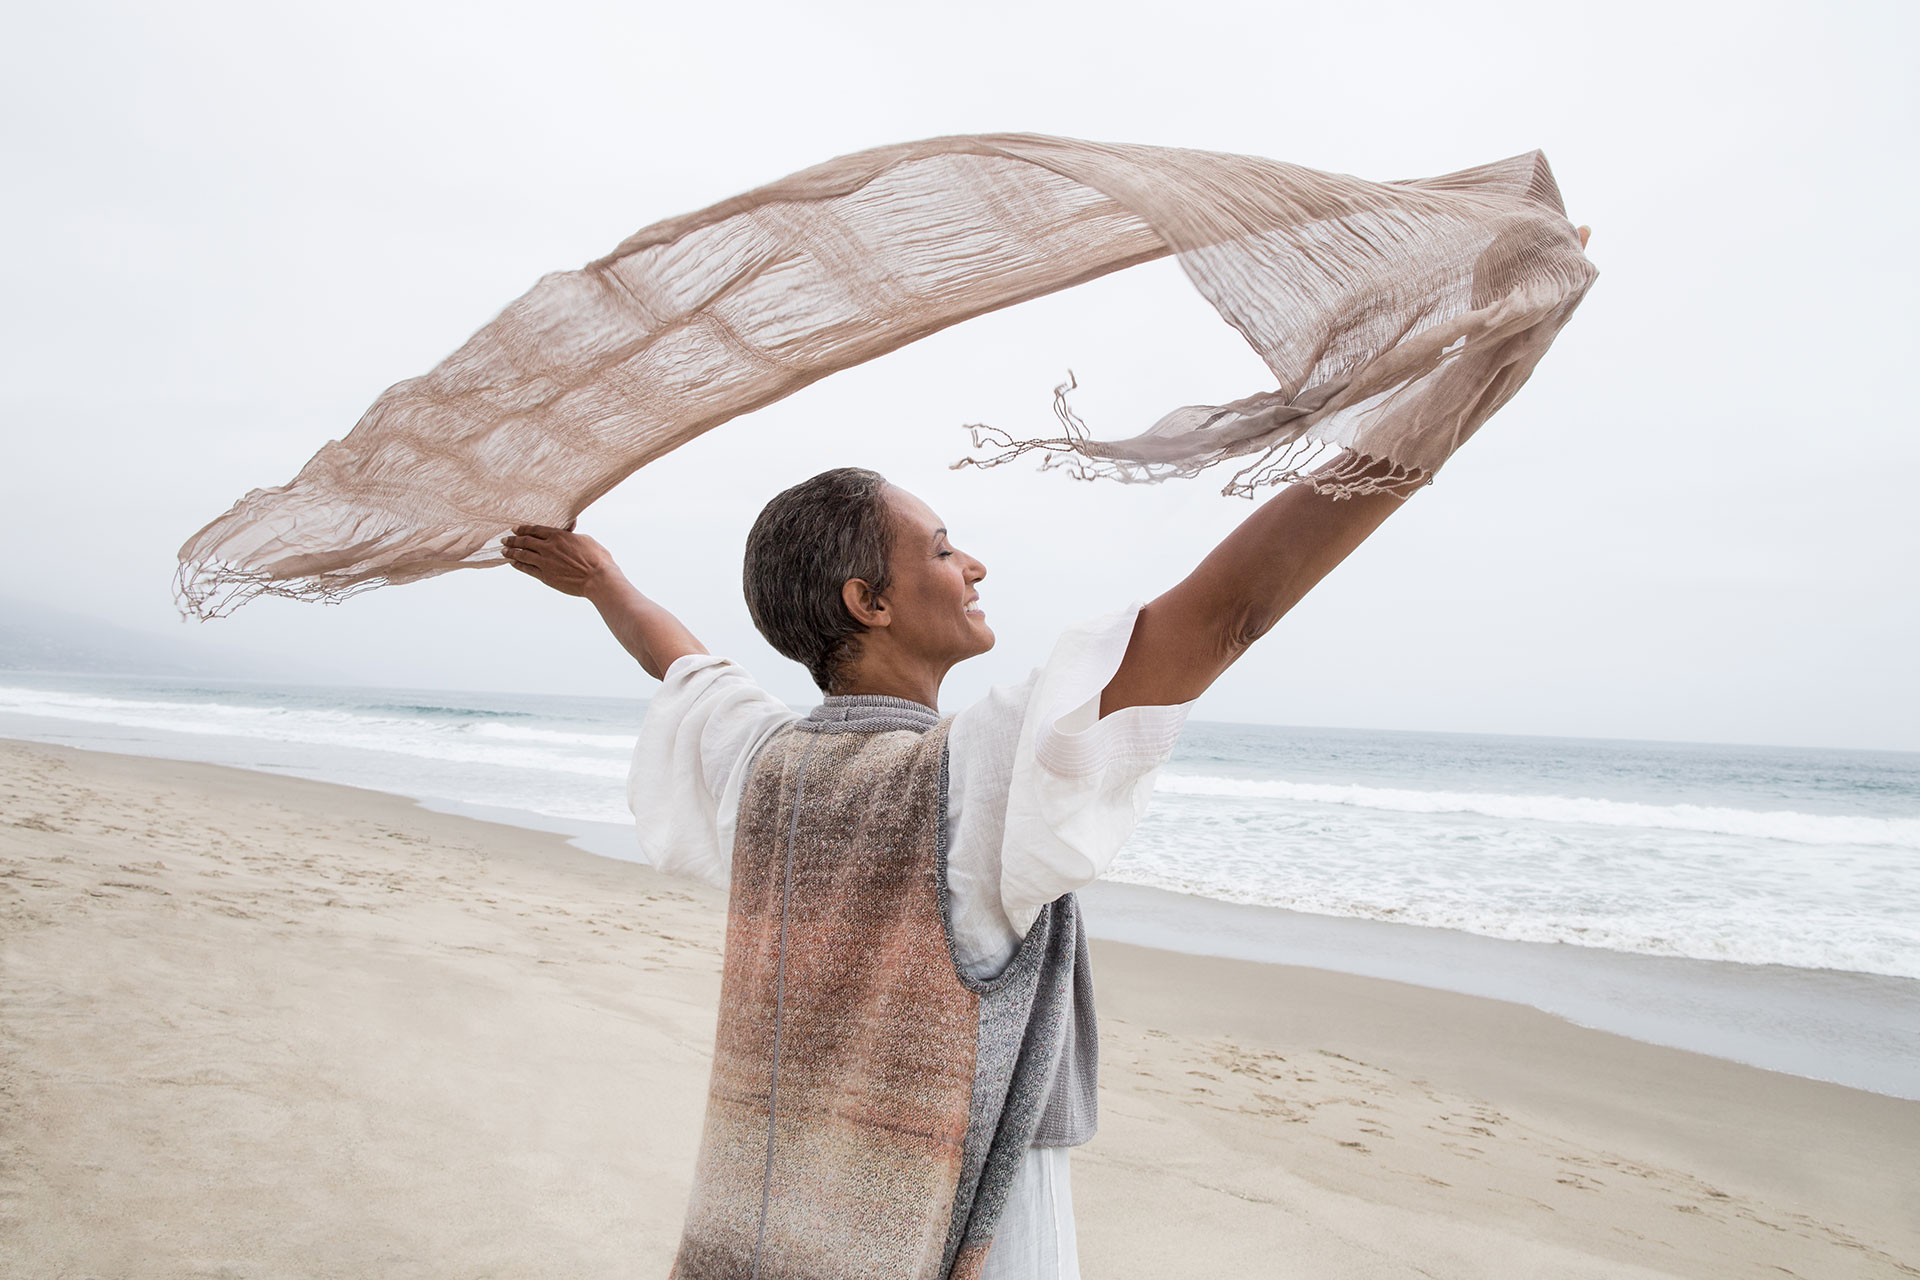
[
  {"x": 906, "y": 1047},
  {"x": 845, "y": 899}
]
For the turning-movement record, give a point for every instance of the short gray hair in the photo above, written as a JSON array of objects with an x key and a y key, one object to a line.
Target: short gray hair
[{"x": 802, "y": 549}]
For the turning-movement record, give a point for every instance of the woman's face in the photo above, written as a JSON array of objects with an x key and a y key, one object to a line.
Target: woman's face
[{"x": 933, "y": 598}]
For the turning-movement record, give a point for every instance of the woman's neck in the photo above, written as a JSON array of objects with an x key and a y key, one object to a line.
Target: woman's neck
[{"x": 875, "y": 674}]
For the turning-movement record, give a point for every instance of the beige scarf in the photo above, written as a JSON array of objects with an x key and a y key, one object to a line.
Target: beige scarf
[{"x": 1395, "y": 317}]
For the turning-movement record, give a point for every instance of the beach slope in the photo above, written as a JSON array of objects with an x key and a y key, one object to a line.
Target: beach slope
[{"x": 257, "y": 1026}]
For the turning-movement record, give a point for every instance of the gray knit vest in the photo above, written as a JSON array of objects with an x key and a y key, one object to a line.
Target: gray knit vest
[
  {"x": 1063, "y": 995},
  {"x": 870, "y": 1104}
]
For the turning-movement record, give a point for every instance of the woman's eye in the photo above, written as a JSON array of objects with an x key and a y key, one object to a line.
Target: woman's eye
[{"x": 944, "y": 554}]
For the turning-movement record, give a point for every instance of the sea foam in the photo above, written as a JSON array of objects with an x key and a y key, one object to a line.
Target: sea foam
[{"x": 1800, "y": 828}]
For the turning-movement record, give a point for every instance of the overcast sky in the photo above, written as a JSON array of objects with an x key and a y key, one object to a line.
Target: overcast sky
[{"x": 229, "y": 227}]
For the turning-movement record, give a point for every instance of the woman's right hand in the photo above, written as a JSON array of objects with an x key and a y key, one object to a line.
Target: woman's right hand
[
  {"x": 566, "y": 561},
  {"x": 576, "y": 564}
]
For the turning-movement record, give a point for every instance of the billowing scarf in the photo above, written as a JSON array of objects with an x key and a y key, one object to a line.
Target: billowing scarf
[{"x": 1395, "y": 318}]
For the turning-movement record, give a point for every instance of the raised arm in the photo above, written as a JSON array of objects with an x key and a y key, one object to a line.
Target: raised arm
[
  {"x": 1187, "y": 637},
  {"x": 578, "y": 566},
  {"x": 1184, "y": 639}
]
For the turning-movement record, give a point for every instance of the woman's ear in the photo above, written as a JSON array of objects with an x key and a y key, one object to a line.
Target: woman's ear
[{"x": 868, "y": 609}]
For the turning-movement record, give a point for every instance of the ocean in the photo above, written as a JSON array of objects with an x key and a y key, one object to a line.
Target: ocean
[{"x": 1761, "y": 903}]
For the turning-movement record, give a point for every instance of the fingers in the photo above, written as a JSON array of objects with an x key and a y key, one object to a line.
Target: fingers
[
  {"x": 560, "y": 558},
  {"x": 528, "y": 537}
]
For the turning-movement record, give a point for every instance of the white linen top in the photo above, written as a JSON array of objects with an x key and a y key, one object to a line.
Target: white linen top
[{"x": 1041, "y": 793}]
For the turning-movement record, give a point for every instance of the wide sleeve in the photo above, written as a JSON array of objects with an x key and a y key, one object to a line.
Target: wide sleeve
[
  {"x": 700, "y": 732},
  {"x": 1076, "y": 783}
]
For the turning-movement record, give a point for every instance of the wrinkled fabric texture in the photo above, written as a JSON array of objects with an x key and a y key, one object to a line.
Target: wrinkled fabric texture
[
  {"x": 1044, "y": 790},
  {"x": 1395, "y": 318}
]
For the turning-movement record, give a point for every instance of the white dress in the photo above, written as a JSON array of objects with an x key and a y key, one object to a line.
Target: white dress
[{"x": 1041, "y": 794}]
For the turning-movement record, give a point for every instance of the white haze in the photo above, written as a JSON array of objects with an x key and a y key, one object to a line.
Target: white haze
[{"x": 231, "y": 226}]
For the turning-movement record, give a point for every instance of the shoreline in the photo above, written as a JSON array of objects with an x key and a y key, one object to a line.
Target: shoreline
[
  {"x": 1854, "y": 1029},
  {"x": 291, "y": 1028},
  {"x": 1857, "y": 1030}
]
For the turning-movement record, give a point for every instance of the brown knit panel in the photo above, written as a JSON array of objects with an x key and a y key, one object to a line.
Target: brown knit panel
[
  {"x": 970, "y": 1263},
  {"x": 723, "y": 1214},
  {"x": 877, "y": 1035}
]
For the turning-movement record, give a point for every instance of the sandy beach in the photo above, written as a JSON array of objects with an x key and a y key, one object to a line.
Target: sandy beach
[{"x": 255, "y": 1026}]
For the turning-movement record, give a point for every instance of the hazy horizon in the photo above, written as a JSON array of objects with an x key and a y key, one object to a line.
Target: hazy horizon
[
  {"x": 1694, "y": 524},
  {"x": 294, "y": 680}
]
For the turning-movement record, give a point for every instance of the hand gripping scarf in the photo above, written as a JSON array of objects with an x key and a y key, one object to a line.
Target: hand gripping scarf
[{"x": 1395, "y": 317}]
